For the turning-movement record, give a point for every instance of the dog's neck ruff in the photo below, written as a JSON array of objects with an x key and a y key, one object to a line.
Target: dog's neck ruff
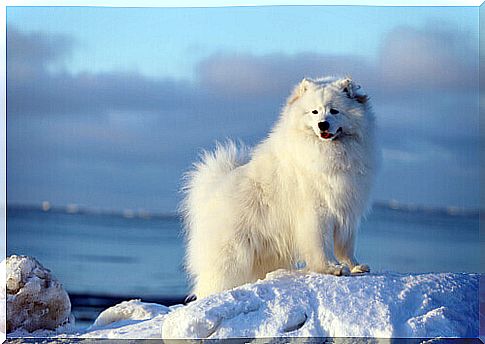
[{"x": 316, "y": 156}]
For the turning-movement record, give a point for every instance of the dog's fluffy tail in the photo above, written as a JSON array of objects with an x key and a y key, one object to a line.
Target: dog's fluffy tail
[
  {"x": 199, "y": 183},
  {"x": 198, "y": 187}
]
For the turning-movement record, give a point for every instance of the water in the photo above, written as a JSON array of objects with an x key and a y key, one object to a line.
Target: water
[
  {"x": 99, "y": 254},
  {"x": 102, "y": 254}
]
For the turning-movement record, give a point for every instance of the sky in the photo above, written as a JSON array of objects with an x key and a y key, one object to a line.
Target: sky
[{"x": 107, "y": 107}]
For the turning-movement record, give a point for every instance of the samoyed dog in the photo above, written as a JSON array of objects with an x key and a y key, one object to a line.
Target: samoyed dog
[{"x": 297, "y": 197}]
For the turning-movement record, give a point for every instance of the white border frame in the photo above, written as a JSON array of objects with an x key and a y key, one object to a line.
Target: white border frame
[
  {"x": 148, "y": 3},
  {"x": 230, "y": 3}
]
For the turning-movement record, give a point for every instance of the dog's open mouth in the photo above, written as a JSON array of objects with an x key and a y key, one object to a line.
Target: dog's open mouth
[{"x": 330, "y": 136}]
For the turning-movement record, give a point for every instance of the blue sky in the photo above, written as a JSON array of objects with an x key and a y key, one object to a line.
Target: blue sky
[
  {"x": 102, "y": 101},
  {"x": 170, "y": 41}
]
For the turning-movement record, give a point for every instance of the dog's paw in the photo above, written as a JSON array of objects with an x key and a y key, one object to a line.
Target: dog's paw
[
  {"x": 361, "y": 268},
  {"x": 336, "y": 270}
]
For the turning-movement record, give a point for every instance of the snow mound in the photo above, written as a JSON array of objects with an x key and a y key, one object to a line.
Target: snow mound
[
  {"x": 128, "y": 320},
  {"x": 35, "y": 299},
  {"x": 314, "y": 305},
  {"x": 293, "y": 304},
  {"x": 129, "y": 310}
]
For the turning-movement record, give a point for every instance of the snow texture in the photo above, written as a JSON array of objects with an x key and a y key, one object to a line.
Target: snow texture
[
  {"x": 35, "y": 299},
  {"x": 292, "y": 304}
]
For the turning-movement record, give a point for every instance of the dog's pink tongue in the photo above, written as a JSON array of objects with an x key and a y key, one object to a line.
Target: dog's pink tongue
[{"x": 326, "y": 135}]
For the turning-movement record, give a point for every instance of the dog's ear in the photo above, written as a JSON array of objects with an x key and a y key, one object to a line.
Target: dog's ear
[
  {"x": 299, "y": 90},
  {"x": 353, "y": 90}
]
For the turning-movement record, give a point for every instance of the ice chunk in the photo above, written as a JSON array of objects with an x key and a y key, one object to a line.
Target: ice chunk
[{"x": 35, "y": 299}]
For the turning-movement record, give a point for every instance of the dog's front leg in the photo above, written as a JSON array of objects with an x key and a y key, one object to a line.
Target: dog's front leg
[
  {"x": 344, "y": 239},
  {"x": 332, "y": 266},
  {"x": 316, "y": 247}
]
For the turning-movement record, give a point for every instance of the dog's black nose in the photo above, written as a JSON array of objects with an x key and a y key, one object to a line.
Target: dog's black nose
[{"x": 323, "y": 125}]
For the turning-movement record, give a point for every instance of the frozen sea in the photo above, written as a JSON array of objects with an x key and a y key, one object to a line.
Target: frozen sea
[{"x": 125, "y": 255}]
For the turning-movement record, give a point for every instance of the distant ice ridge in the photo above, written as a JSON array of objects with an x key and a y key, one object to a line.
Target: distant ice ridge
[{"x": 292, "y": 304}]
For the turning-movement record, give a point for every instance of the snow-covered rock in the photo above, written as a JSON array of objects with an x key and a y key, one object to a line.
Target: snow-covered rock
[
  {"x": 291, "y": 304},
  {"x": 35, "y": 299}
]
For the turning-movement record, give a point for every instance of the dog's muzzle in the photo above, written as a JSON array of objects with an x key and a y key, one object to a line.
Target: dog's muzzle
[{"x": 325, "y": 134}]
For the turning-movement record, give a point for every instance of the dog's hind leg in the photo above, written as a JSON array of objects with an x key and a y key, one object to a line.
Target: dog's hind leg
[{"x": 232, "y": 266}]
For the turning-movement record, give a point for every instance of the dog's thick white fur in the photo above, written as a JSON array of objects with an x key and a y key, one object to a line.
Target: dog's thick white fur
[{"x": 298, "y": 196}]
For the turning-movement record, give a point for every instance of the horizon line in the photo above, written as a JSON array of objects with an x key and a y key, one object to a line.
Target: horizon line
[{"x": 73, "y": 208}]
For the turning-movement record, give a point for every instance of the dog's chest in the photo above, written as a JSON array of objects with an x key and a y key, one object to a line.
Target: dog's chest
[{"x": 337, "y": 192}]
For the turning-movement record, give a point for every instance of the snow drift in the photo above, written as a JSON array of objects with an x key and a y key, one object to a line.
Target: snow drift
[{"x": 292, "y": 304}]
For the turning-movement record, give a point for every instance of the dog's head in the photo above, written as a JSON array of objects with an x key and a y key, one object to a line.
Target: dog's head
[{"x": 332, "y": 108}]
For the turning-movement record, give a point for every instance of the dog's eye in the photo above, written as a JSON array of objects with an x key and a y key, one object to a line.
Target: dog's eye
[
  {"x": 334, "y": 112},
  {"x": 315, "y": 112}
]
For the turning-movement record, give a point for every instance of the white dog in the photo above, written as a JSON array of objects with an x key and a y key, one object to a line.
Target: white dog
[{"x": 298, "y": 196}]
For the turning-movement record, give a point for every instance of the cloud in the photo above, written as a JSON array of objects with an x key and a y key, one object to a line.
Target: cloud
[
  {"x": 434, "y": 58},
  {"x": 248, "y": 75},
  {"x": 100, "y": 136},
  {"x": 411, "y": 60},
  {"x": 31, "y": 53}
]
